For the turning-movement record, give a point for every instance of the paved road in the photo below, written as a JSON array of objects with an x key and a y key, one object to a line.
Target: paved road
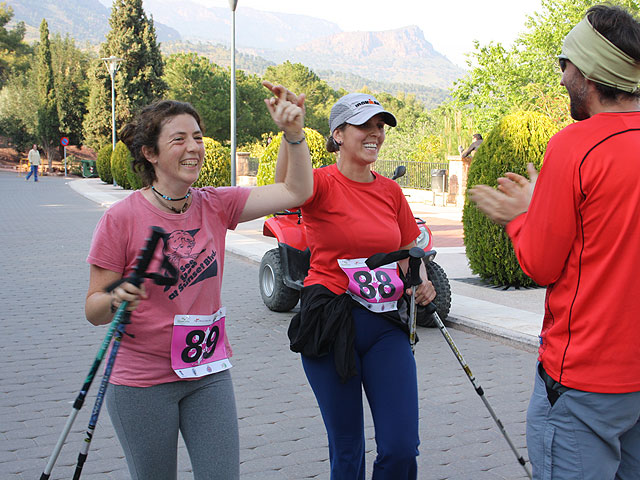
[{"x": 47, "y": 348}]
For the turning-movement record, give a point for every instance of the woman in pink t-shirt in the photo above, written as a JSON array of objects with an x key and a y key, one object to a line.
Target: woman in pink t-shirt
[{"x": 167, "y": 377}]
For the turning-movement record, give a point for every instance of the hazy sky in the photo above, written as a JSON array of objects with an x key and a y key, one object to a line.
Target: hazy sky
[{"x": 450, "y": 26}]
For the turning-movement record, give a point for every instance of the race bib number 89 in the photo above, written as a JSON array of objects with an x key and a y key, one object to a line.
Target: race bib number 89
[
  {"x": 377, "y": 290},
  {"x": 198, "y": 345}
]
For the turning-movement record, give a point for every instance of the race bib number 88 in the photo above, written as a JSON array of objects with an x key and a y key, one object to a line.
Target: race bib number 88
[
  {"x": 198, "y": 345},
  {"x": 377, "y": 290}
]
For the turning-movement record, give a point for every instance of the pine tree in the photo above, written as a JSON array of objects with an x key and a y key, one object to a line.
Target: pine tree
[
  {"x": 48, "y": 124},
  {"x": 139, "y": 79}
]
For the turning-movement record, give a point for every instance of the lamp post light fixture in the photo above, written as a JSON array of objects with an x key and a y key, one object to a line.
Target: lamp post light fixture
[
  {"x": 112, "y": 63},
  {"x": 233, "y": 4}
]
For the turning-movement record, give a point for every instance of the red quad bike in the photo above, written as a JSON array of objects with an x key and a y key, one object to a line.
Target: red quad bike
[{"x": 283, "y": 269}]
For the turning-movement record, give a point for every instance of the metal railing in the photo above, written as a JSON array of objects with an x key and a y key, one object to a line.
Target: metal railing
[{"x": 418, "y": 173}]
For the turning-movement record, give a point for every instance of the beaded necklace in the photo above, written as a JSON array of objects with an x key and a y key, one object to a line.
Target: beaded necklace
[
  {"x": 184, "y": 207},
  {"x": 169, "y": 198}
]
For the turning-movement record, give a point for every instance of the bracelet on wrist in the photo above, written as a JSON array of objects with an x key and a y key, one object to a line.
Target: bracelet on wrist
[{"x": 294, "y": 143}]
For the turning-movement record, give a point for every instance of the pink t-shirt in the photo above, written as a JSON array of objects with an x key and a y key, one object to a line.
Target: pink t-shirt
[{"x": 195, "y": 246}]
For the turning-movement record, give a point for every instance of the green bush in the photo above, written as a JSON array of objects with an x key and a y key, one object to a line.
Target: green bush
[
  {"x": 121, "y": 168},
  {"x": 516, "y": 140},
  {"x": 103, "y": 163},
  {"x": 216, "y": 168},
  {"x": 319, "y": 155},
  {"x": 135, "y": 182},
  {"x": 257, "y": 148}
]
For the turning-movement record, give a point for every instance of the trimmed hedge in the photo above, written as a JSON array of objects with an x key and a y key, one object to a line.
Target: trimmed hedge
[
  {"x": 518, "y": 139},
  {"x": 319, "y": 155},
  {"x": 121, "y": 168},
  {"x": 103, "y": 163},
  {"x": 216, "y": 168}
]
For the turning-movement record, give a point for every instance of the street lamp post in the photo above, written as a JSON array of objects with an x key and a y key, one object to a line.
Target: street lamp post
[
  {"x": 112, "y": 63},
  {"x": 233, "y": 4}
]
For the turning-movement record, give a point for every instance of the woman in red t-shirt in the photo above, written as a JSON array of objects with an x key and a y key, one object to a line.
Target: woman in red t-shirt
[{"x": 352, "y": 327}]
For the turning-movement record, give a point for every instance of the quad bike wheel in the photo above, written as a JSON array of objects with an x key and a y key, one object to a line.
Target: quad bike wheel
[
  {"x": 275, "y": 294},
  {"x": 438, "y": 277}
]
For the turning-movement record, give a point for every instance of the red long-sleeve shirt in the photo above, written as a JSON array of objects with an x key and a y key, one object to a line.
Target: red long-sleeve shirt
[{"x": 581, "y": 238}]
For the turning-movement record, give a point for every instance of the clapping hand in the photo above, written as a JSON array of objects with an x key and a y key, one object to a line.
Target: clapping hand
[{"x": 510, "y": 199}]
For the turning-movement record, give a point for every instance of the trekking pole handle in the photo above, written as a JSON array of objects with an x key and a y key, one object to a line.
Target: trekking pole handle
[
  {"x": 415, "y": 259},
  {"x": 143, "y": 261},
  {"x": 146, "y": 256}
]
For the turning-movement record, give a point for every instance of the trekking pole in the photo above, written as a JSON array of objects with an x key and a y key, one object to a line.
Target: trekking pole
[
  {"x": 79, "y": 402},
  {"x": 139, "y": 274},
  {"x": 84, "y": 451},
  {"x": 382, "y": 259},
  {"x": 116, "y": 327},
  {"x": 415, "y": 259},
  {"x": 431, "y": 308}
]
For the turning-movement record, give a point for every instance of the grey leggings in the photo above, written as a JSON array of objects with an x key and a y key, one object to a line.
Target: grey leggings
[{"x": 147, "y": 421}]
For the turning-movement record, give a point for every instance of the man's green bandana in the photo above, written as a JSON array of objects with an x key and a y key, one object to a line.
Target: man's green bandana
[{"x": 599, "y": 60}]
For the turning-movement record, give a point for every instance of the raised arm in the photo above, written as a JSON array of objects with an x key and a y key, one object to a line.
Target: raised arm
[
  {"x": 282, "y": 161},
  {"x": 295, "y": 185}
]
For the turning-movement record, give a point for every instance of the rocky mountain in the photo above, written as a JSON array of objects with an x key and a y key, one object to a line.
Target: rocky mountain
[
  {"x": 254, "y": 28},
  {"x": 401, "y": 59},
  {"x": 402, "y": 55},
  {"x": 84, "y": 20}
]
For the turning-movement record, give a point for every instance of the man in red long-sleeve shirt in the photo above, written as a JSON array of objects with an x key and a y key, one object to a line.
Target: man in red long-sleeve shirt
[{"x": 578, "y": 233}]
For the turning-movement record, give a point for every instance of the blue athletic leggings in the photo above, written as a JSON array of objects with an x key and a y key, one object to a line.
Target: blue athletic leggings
[
  {"x": 387, "y": 371},
  {"x": 147, "y": 421}
]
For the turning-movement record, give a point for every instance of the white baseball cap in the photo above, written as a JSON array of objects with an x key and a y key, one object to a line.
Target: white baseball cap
[{"x": 356, "y": 109}]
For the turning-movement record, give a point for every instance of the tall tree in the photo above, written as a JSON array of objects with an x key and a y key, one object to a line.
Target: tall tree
[
  {"x": 193, "y": 78},
  {"x": 48, "y": 124},
  {"x": 14, "y": 52},
  {"x": 139, "y": 79},
  {"x": 70, "y": 66},
  {"x": 300, "y": 79},
  {"x": 525, "y": 76},
  {"x": 253, "y": 119},
  {"x": 18, "y": 110},
  {"x": 96, "y": 126}
]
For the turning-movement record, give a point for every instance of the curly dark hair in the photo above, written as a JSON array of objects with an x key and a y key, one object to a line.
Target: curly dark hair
[{"x": 144, "y": 130}]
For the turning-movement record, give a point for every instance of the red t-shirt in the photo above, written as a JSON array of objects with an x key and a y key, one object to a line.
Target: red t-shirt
[
  {"x": 580, "y": 238},
  {"x": 195, "y": 247},
  {"x": 347, "y": 219}
]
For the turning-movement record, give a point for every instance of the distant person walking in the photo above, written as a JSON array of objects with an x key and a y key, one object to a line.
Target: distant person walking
[{"x": 34, "y": 161}]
